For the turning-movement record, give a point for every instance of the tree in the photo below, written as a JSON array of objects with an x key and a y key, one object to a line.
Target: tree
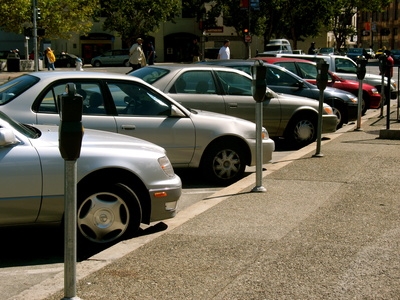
[
  {"x": 59, "y": 18},
  {"x": 134, "y": 18},
  {"x": 342, "y": 12}
]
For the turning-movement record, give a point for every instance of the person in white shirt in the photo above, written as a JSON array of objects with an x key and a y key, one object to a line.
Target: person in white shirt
[{"x": 224, "y": 52}]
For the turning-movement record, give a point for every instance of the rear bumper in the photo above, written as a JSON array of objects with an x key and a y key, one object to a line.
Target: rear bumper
[{"x": 329, "y": 123}]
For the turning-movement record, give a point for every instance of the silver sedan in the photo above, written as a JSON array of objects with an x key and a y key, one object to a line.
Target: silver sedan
[
  {"x": 220, "y": 145},
  {"x": 121, "y": 181},
  {"x": 228, "y": 91}
]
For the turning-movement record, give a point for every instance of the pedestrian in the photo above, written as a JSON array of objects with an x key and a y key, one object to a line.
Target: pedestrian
[
  {"x": 311, "y": 50},
  {"x": 196, "y": 51},
  {"x": 50, "y": 59},
  {"x": 224, "y": 51},
  {"x": 78, "y": 64},
  {"x": 136, "y": 56},
  {"x": 389, "y": 64},
  {"x": 150, "y": 53}
]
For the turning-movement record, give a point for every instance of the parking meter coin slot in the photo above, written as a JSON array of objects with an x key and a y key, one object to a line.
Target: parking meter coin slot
[
  {"x": 259, "y": 84},
  {"x": 322, "y": 77},
  {"x": 361, "y": 68},
  {"x": 71, "y": 129}
]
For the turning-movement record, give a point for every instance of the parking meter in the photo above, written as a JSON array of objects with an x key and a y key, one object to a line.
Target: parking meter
[
  {"x": 322, "y": 81},
  {"x": 361, "y": 67},
  {"x": 70, "y": 107},
  {"x": 382, "y": 63},
  {"x": 259, "y": 85},
  {"x": 322, "y": 77}
]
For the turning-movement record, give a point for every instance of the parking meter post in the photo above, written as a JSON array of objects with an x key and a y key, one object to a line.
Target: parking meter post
[
  {"x": 388, "y": 104},
  {"x": 361, "y": 71},
  {"x": 70, "y": 139},
  {"x": 322, "y": 80},
  {"x": 382, "y": 70},
  {"x": 398, "y": 96},
  {"x": 259, "y": 86}
]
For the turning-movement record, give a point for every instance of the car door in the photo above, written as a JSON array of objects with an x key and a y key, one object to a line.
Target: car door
[
  {"x": 197, "y": 89},
  {"x": 144, "y": 113},
  {"x": 92, "y": 117},
  {"x": 239, "y": 101},
  {"x": 21, "y": 181}
]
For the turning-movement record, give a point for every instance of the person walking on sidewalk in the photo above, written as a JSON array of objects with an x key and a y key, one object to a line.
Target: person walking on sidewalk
[
  {"x": 50, "y": 59},
  {"x": 137, "y": 58},
  {"x": 224, "y": 51}
]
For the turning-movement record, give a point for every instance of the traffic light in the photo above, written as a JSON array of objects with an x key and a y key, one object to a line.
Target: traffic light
[
  {"x": 38, "y": 14},
  {"x": 245, "y": 31}
]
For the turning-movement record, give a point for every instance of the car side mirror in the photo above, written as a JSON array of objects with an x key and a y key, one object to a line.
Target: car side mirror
[
  {"x": 7, "y": 137},
  {"x": 269, "y": 94},
  {"x": 299, "y": 84}
]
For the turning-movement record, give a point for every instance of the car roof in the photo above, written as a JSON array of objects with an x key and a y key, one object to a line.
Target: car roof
[
  {"x": 272, "y": 60},
  {"x": 81, "y": 75}
]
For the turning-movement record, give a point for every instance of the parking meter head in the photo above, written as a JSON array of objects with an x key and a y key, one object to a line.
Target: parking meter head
[
  {"x": 361, "y": 67},
  {"x": 322, "y": 74},
  {"x": 70, "y": 131},
  {"x": 259, "y": 85},
  {"x": 382, "y": 63}
]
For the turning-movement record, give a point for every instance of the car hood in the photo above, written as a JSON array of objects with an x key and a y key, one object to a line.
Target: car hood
[{"x": 96, "y": 138}]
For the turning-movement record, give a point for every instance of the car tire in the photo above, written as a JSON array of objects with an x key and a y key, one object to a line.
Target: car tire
[
  {"x": 69, "y": 65},
  {"x": 107, "y": 212},
  {"x": 302, "y": 130},
  {"x": 224, "y": 163},
  {"x": 339, "y": 111},
  {"x": 97, "y": 64}
]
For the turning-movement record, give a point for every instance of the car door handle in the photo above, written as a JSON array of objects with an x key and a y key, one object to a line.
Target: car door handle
[
  {"x": 128, "y": 127},
  {"x": 233, "y": 105}
]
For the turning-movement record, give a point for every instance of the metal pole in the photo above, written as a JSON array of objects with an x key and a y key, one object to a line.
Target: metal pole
[
  {"x": 382, "y": 93},
  {"x": 259, "y": 162},
  {"x": 70, "y": 256},
  {"x": 388, "y": 104},
  {"x": 398, "y": 97},
  {"x": 359, "y": 106},
  {"x": 34, "y": 33},
  {"x": 319, "y": 127}
]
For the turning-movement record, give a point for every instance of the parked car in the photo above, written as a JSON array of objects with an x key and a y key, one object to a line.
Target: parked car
[
  {"x": 327, "y": 51},
  {"x": 120, "y": 181},
  {"x": 308, "y": 71},
  {"x": 355, "y": 53},
  {"x": 379, "y": 52},
  {"x": 395, "y": 53},
  {"x": 119, "y": 57},
  {"x": 347, "y": 69},
  {"x": 280, "y": 80},
  {"x": 221, "y": 146},
  {"x": 228, "y": 91},
  {"x": 66, "y": 60},
  {"x": 370, "y": 53}
]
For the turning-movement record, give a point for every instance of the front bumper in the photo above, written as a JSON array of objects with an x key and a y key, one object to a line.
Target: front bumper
[
  {"x": 329, "y": 123},
  {"x": 268, "y": 147},
  {"x": 164, "y": 202},
  {"x": 352, "y": 112}
]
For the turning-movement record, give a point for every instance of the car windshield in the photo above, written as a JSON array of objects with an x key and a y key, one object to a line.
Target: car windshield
[
  {"x": 150, "y": 74},
  {"x": 355, "y": 50},
  {"x": 13, "y": 88},
  {"x": 26, "y": 130}
]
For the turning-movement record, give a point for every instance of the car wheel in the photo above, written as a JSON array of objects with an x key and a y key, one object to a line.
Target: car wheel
[
  {"x": 106, "y": 212},
  {"x": 302, "y": 130},
  {"x": 126, "y": 63},
  {"x": 68, "y": 65},
  {"x": 224, "y": 163},
  {"x": 338, "y": 110},
  {"x": 97, "y": 64}
]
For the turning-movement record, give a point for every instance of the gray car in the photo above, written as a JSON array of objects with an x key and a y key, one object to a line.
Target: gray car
[
  {"x": 221, "y": 146},
  {"x": 117, "y": 57},
  {"x": 228, "y": 91},
  {"x": 121, "y": 181}
]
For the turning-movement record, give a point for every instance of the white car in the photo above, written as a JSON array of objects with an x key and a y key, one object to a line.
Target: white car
[
  {"x": 220, "y": 145},
  {"x": 121, "y": 181}
]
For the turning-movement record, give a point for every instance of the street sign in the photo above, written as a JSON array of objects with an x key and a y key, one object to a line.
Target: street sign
[{"x": 247, "y": 38}]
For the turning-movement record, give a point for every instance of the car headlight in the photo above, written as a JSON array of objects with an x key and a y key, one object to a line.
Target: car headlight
[
  {"x": 328, "y": 110},
  {"x": 166, "y": 166},
  {"x": 264, "y": 134},
  {"x": 352, "y": 99},
  {"x": 374, "y": 91}
]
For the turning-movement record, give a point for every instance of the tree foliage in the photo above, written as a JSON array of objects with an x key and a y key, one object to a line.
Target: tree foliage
[
  {"x": 134, "y": 18},
  {"x": 59, "y": 18}
]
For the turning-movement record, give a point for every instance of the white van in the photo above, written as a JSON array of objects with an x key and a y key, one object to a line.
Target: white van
[{"x": 278, "y": 46}]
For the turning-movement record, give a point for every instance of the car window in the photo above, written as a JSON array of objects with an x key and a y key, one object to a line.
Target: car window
[
  {"x": 345, "y": 66},
  {"x": 194, "y": 82},
  {"x": 288, "y": 66},
  {"x": 150, "y": 75},
  {"x": 90, "y": 91},
  {"x": 15, "y": 87},
  {"x": 308, "y": 71},
  {"x": 235, "y": 84},
  {"x": 279, "y": 77},
  {"x": 135, "y": 99},
  {"x": 107, "y": 53}
]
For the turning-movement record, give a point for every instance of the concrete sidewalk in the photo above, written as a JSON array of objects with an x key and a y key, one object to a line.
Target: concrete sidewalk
[{"x": 327, "y": 228}]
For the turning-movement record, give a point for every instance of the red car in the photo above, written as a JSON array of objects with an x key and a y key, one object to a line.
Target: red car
[{"x": 308, "y": 71}]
